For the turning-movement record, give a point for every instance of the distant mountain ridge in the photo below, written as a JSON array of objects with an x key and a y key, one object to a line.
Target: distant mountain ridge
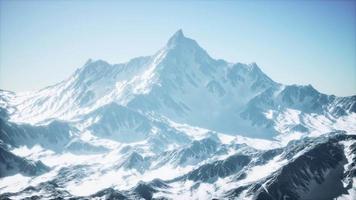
[
  {"x": 238, "y": 98},
  {"x": 176, "y": 125}
]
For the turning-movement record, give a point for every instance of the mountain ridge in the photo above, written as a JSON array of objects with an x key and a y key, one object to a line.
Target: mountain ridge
[
  {"x": 171, "y": 83},
  {"x": 206, "y": 128}
]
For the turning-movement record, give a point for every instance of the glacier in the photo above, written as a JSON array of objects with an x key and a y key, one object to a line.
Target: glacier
[{"x": 176, "y": 125}]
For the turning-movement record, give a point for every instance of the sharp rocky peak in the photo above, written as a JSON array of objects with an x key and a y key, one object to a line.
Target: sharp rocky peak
[{"x": 178, "y": 40}]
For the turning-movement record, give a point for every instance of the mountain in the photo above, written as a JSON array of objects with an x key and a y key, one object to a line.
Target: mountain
[
  {"x": 176, "y": 125},
  {"x": 312, "y": 168},
  {"x": 12, "y": 164},
  {"x": 238, "y": 98},
  {"x": 54, "y": 135},
  {"x": 319, "y": 173}
]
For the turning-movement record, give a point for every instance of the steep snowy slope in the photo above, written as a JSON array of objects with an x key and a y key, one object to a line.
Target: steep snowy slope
[
  {"x": 316, "y": 170},
  {"x": 82, "y": 91},
  {"x": 187, "y": 74},
  {"x": 176, "y": 125},
  {"x": 301, "y": 110},
  {"x": 53, "y": 136},
  {"x": 11, "y": 164},
  {"x": 312, "y": 168},
  {"x": 183, "y": 83}
]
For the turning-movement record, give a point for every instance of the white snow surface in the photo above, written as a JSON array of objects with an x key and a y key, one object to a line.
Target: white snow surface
[{"x": 178, "y": 95}]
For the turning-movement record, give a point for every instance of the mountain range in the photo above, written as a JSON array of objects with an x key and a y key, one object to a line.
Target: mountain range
[{"x": 176, "y": 125}]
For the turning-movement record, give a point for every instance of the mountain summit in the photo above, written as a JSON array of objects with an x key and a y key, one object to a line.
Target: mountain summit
[
  {"x": 183, "y": 83},
  {"x": 176, "y": 38},
  {"x": 178, "y": 124}
]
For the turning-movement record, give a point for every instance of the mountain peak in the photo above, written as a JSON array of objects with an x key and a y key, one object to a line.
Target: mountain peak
[
  {"x": 179, "y": 42},
  {"x": 178, "y": 34},
  {"x": 93, "y": 68},
  {"x": 177, "y": 37}
]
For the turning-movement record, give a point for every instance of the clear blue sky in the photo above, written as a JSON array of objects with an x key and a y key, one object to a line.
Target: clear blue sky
[{"x": 299, "y": 42}]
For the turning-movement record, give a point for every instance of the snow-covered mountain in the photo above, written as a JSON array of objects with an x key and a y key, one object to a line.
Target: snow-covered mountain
[
  {"x": 238, "y": 98},
  {"x": 11, "y": 164},
  {"x": 177, "y": 124}
]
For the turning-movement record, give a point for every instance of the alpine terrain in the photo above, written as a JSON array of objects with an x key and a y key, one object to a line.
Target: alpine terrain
[{"x": 176, "y": 125}]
